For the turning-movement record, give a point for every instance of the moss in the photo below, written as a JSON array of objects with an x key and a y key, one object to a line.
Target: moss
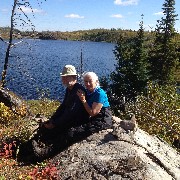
[{"x": 44, "y": 107}]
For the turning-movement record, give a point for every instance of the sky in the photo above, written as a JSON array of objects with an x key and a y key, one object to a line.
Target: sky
[{"x": 72, "y": 15}]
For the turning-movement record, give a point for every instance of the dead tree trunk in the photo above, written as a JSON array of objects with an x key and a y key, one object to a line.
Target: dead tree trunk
[{"x": 4, "y": 72}]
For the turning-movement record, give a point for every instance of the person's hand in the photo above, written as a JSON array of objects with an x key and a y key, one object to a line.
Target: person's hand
[{"x": 81, "y": 95}]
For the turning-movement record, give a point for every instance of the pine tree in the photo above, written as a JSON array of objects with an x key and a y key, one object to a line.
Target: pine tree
[
  {"x": 164, "y": 56},
  {"x": 131, "y": 74},
  {"x": 141, "y": 65}
]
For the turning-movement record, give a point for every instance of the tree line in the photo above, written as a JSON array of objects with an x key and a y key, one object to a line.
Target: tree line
[
  {"x": 146, "y": 78},
  {"x": 96, "y": 35},
  {"x": 141, "y": 60}
]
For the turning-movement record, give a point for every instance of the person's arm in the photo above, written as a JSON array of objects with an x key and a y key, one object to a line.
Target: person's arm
[
  {"x": 49, "y": 124},
  {"x": 96, "y": 107},
  {"x": 60, "y": 109}
]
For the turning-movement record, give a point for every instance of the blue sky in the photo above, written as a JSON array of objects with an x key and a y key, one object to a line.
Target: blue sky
[{"x": 71, "y": 15}]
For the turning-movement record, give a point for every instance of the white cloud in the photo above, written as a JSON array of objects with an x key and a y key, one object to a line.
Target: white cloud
[
  {"x": 126, "y": 2},
  {"x": 117, "y": 16},
  {"x": 29, "y": 10},
  {"x": 159, "y": 13},
  {"x": 74, "y": 16}
]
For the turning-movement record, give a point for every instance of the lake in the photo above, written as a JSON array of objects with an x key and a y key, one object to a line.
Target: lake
[{"x": 35, "y": 65}]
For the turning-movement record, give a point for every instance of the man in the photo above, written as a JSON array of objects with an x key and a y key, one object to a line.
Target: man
[
  {"x": 53, "y": 134},
  {"x": 71, "y": 112}
]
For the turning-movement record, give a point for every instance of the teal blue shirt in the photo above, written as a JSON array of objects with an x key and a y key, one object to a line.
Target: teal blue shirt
[{"x": 98, "y": 96}]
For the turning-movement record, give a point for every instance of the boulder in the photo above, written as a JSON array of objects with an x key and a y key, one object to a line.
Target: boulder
[{"x": 119, "y": 153}]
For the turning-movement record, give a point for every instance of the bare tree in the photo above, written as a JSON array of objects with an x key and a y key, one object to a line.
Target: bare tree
[{"x": 18, "y": 16}]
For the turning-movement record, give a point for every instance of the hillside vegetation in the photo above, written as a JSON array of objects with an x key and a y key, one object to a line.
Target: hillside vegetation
[{"x": 96, "y": 35}]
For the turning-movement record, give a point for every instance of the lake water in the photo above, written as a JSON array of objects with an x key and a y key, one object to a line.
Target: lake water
[{"x": 34, "y": 65}]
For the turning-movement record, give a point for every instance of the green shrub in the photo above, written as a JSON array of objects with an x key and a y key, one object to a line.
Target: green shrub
[
  {"x": 6, "y": 114},
  {"x": 158, "y": 112},
  {"x": 43, "y": 106}
]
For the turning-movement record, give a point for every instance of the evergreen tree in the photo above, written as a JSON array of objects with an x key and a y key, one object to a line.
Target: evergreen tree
[
  {"x": 131, "y": 74},
  {"x": 141, "y": 65},
  {"x": 164, "y": 56}
]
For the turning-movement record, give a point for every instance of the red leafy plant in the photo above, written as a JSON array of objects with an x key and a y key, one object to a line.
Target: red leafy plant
[
  {"x": 8, "y": 150},
  {"x": 49, "y": 172}
]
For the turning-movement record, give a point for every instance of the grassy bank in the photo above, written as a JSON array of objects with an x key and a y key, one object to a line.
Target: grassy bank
[{"x": 15, "y": 127}]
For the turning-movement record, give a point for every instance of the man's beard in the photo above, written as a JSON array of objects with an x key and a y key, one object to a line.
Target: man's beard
[{"x": 69, "y": 84}]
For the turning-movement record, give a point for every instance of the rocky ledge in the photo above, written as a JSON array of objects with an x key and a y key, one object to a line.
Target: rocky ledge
[{"x": 119, "y": 154}]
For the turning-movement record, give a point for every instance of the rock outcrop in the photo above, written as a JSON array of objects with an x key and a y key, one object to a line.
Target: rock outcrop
[
  {"x": 14, "y": 102},
  {"x": 119, "y": 154}
]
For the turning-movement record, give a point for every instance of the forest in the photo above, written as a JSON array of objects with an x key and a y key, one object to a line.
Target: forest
[{"x": 96, "y": 35}]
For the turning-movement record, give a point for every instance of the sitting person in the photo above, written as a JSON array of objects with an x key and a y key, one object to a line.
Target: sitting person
[
  {"x": 71, "y": 111},
  {"x": 96, "y": 102}
]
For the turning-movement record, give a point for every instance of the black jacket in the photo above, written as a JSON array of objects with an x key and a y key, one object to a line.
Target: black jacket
[{"x": 71, "y": 112}]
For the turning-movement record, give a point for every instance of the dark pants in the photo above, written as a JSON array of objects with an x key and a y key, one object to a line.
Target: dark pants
[
  {"x": 57, "y": 139},
  {"x": 62, "y": 138},
  {"x": 79, "y": 133},
  {"x": 81, "y": 129}
]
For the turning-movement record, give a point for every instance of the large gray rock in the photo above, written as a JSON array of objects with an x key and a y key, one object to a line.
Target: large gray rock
[{"x": 120, "y": 154}]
